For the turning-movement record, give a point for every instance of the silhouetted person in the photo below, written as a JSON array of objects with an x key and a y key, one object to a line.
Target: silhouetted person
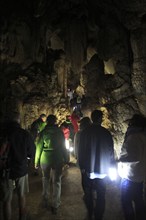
[
  {"x": 83, "y": 123},
  {"x": 96, "y": 156},
  {"x": 132, "y": 169},
  {"x": 21, "y": 147}
]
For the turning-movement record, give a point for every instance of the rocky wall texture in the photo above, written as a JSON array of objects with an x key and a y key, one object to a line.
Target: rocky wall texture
[{"x": 47, "y": 47}]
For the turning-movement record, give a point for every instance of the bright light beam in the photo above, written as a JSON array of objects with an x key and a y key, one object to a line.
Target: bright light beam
[{"x": 112, "y": 173}]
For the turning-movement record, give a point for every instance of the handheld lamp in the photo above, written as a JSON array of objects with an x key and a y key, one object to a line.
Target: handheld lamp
[{"x": 112, "y": 173}]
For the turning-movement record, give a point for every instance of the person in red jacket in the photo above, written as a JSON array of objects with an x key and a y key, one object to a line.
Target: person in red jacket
[
  {"x": 74, "y": 119},
  {"x": 66, "y": 131}
]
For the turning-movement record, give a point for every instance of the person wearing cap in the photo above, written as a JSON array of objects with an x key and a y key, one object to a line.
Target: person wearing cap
[
  {"x": 132, "y": 169},
  {"x": 51, "y": 155},
  {"x": 95, "y": 156}
]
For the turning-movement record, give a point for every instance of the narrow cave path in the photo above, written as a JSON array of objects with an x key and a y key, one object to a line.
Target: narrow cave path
[{"x": 72, "y": 205}]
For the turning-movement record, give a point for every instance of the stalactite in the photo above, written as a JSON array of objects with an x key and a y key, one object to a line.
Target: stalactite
[{"x": 76, "y": 41}]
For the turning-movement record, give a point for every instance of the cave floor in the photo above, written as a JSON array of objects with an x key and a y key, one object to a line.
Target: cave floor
[{"x": 72, "y": 205}]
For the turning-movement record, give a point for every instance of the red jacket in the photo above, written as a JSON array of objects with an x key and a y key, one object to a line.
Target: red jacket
[{"x": 74, "y": 119}]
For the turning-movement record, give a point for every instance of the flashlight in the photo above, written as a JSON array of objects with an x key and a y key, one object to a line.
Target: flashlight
[
  {"x": 112, "y": 173},
  {"x": 71, "y": 149},
  {"x": 67, "y": 144}
]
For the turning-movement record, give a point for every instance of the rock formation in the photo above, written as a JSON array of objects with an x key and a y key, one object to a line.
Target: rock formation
[{"x": 103, "y": 47}]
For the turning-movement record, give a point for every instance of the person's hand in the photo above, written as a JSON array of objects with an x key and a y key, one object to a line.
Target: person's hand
[{"x": 36, "y": 167}]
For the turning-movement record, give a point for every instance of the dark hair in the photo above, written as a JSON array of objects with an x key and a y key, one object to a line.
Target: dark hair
[
  {"x": 43, "y": 116},
  {"x": 51, "y": 119},
  {"x": 96, "y": 116},
  {"x": 64, "y": 124}
]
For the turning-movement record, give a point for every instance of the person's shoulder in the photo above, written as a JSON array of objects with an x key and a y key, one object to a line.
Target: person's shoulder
[
  {"x": 52, "y": 129},
  {"x": 23, "y": 131},
  {"x": 58, "y": 129},
  {"x": 106, "y": 131},
  {"x": 35, "y": 123},
  {"x": 100, "y": 129},
  {"x": 78, "y": 133},
  {"x": 93, "y": 127},
  {"x": 87, "y": 130}
]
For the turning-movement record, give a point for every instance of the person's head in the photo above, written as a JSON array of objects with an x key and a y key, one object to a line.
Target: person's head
[
  {"x": 68, "y": 119},
  {"x": 96, "y": 116},
  {"x": 64, "y": 125},
  {"x": 15, "y": 117},
  {"x": 43, "y": 117},
  {"x": 137, "y": 120},
  {"x": 84, "y": 122},
  {"x": 51, "y": 120}
]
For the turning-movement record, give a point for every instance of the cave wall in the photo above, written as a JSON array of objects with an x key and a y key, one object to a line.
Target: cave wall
[{"x": 49, "y": 46}]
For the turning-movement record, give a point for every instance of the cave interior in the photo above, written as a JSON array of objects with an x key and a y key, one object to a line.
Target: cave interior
[{"x": 96, "y": 48}]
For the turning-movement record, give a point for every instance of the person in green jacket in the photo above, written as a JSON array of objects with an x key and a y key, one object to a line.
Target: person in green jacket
[
  {"x": 37, "y": 126},
  {"x": 51, "y": 155}
]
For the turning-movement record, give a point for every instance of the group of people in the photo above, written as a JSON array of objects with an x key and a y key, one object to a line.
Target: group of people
[
  {"x": 75, "y": 101},
  {"x": 95, "y": 156},
  {"x": 94, "y": 151}
]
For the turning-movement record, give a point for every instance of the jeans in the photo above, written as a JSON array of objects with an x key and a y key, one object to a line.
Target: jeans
[
  {"x": 94, "y": 190},
  {"x": 22, "y": 188},
  {"x": 51, "y": 176},
  {"x": 132, "y": 200}
]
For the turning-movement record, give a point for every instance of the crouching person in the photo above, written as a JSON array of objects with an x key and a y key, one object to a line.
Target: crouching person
[
  {"x": 21, "y": 146},
  {"x": 51, "y": 155}
]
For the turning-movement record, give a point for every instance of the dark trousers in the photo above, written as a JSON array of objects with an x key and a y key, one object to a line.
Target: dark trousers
[
  {"x": 94, "y": 190},
  {"x": 132, "y": 200}
]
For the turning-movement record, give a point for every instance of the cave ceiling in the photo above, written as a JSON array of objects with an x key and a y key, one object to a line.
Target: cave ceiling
[{"x": 96, "y": 47}]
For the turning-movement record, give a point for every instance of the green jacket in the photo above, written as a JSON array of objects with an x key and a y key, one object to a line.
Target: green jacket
[
  {"x": 50, "y": 147},
  {"x": 36, "y": 127}
]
